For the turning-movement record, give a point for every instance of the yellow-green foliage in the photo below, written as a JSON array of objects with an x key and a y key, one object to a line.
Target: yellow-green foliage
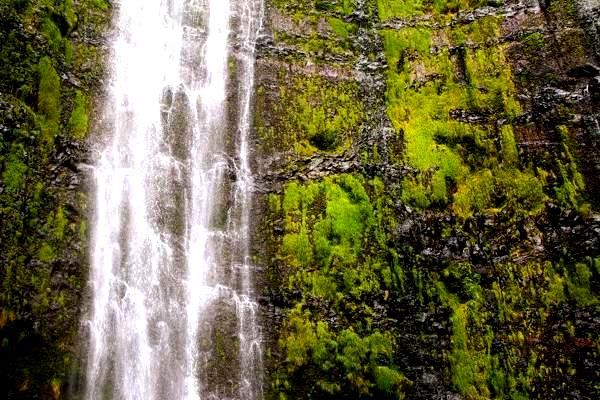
[
  {"x": 300, "y": 340},
  {"x": 335, "y": 251},
  {"x": 517, "y": 290},
  {"x": 518, "y": 190},
  {"x": 399, "y": 8},
  {"x": 86, "y": 59},
  {"x": 53, "y": 35},
  {"x": 510, "y": 154},
  {"x": 479, "y": 32},
  {"x": 347, "y": 213},
  {"x": 69, "y": 13},
  {"x": 311, "y": 114},
  {"x": 412, "y": 8},
  {"x": 571, "y": 181},
  {"x": 535, "y": 41},
  {"x": 340, "y": 28},
  {"x": 60, "y": 223},
  {"x": 15, "y": 169},
  {"x": 301, "y": 8},
  {"x": 522, "y": 190},
  {"x": 423, "y": 114},
  {"x": 78, "y": 123},
  {"x": 298, "y": 248},
  {"x": 487, "y": 68},
  {"x": 579, "y": 285},
  {"x": 49, "y": 98},
  {"x": 363, "y": 362},
  {"x": 37, "y": 48},
  {"x": 100, "y": 4},
  {"x": 423, "y": 87},
  {"x": 474, "y": 194},
  {"x": 325, "y": 226},
  {"x": 325, "y": 115},
  {"x": 47, "y": 253},
  {"x": 316, "y": 45},
  {"x": 68, "y": 52},
  {"x": 469, "y": 369},
  {"x": 389, "y": 380}
]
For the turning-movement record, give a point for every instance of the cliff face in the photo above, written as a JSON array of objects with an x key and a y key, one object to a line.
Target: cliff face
[
  {"x": 50, "y": 70},
  {"x": 427, "y": 178},
  {"x": 430, "y": 172}
]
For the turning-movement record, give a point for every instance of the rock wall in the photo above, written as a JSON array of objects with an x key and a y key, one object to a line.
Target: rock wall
[
  {"x": 429, "y": 180},
  {"x": 426, "y": 206},
  {"x": 51, "y": 69}
]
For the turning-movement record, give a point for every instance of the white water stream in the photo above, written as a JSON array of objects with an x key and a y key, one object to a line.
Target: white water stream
[{"x": 173, "y": 314}]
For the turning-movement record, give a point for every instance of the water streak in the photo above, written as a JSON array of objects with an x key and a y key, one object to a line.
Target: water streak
[{"x": 171, "y": 278}]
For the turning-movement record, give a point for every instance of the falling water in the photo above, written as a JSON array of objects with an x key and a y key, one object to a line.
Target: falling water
[{"x": 173, "y": 314}]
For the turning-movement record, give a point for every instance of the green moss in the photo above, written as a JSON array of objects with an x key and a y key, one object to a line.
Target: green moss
[
  {"x": 571, "y": 182},
  {"x": 301, "y": 339},
  {"x": 422, "y": 115},
  {"x": 99, "y": 4},
  {"x": 469, "y": 367},
  {"x": 523, "y": 190},
  {"x": 69, "y": 13},
  {"x": 423, "y": 90},
  {"x": 78, "y": 122},
  {"x": 47, "y": 253},
  {"x": 89, "y": 60},
  {"x": 326, "y": 227},
  {"x": 311, "y": 114},
  {"x": 474, "y": 194},
  {"x": 49, "y": 99},
  {"x": 53, "y": 35},
  {"x": 579, "y": 285},
  {"x": 337, "y": 235},
  {"x": 480, "y": 31},
  {"x": 319, "y": 43},
  {"x": 389, "y": 380},
  {"x": 60, "y": 223},
  {"x": 415, "y": 193},
  {"x": 362, "y": 362},
  {"x": 297, "y": 248},
  {"x": 564, "y": 9},
  {"x": 340, "y": 28},
  {"x": 535, "y": 41},
  {"x": 412, "y": 8},
  {"x": 487, "y": 69},
  {"x": 83, "y": 230},
  {"x": 398, "y": 42},
  {"x": 325, "y": 126},
  {"x": 399, "y": 8},
  {"x": 69, "y": 52},
  {"x": 274, "y": 203},
  {"x": 302, "y": 8},
  {"x": 510, "y": 154},
  {"x": 15, "y": 169},
  {"x": 512, "y": 368},
  {"x": 35, "y": 229}
]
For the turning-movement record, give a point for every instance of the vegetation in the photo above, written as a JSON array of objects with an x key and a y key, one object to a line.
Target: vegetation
[
  {"x": 327, "y": 224},
  {"x": 469, "y": 270},
  {"x": 311, "y": 114},
  {"x": 78, "y": 123},
  {"x": 40, "y": 247},
  {"x": 473, "y": 271}
]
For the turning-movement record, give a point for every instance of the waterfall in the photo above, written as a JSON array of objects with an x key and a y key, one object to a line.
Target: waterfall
[{"x": 173, "y": 312}]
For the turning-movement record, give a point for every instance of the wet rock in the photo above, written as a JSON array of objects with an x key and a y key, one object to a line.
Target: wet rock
[{"x": 587, "y": 70}]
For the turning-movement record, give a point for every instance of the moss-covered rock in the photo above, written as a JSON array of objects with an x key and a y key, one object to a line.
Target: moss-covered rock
[
  {"x": 43, "y": 119},
  {"x": 477, "y": 271}
]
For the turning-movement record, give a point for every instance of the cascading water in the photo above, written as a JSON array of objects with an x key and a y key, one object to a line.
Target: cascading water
[{"x": 173, "y": 312}]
